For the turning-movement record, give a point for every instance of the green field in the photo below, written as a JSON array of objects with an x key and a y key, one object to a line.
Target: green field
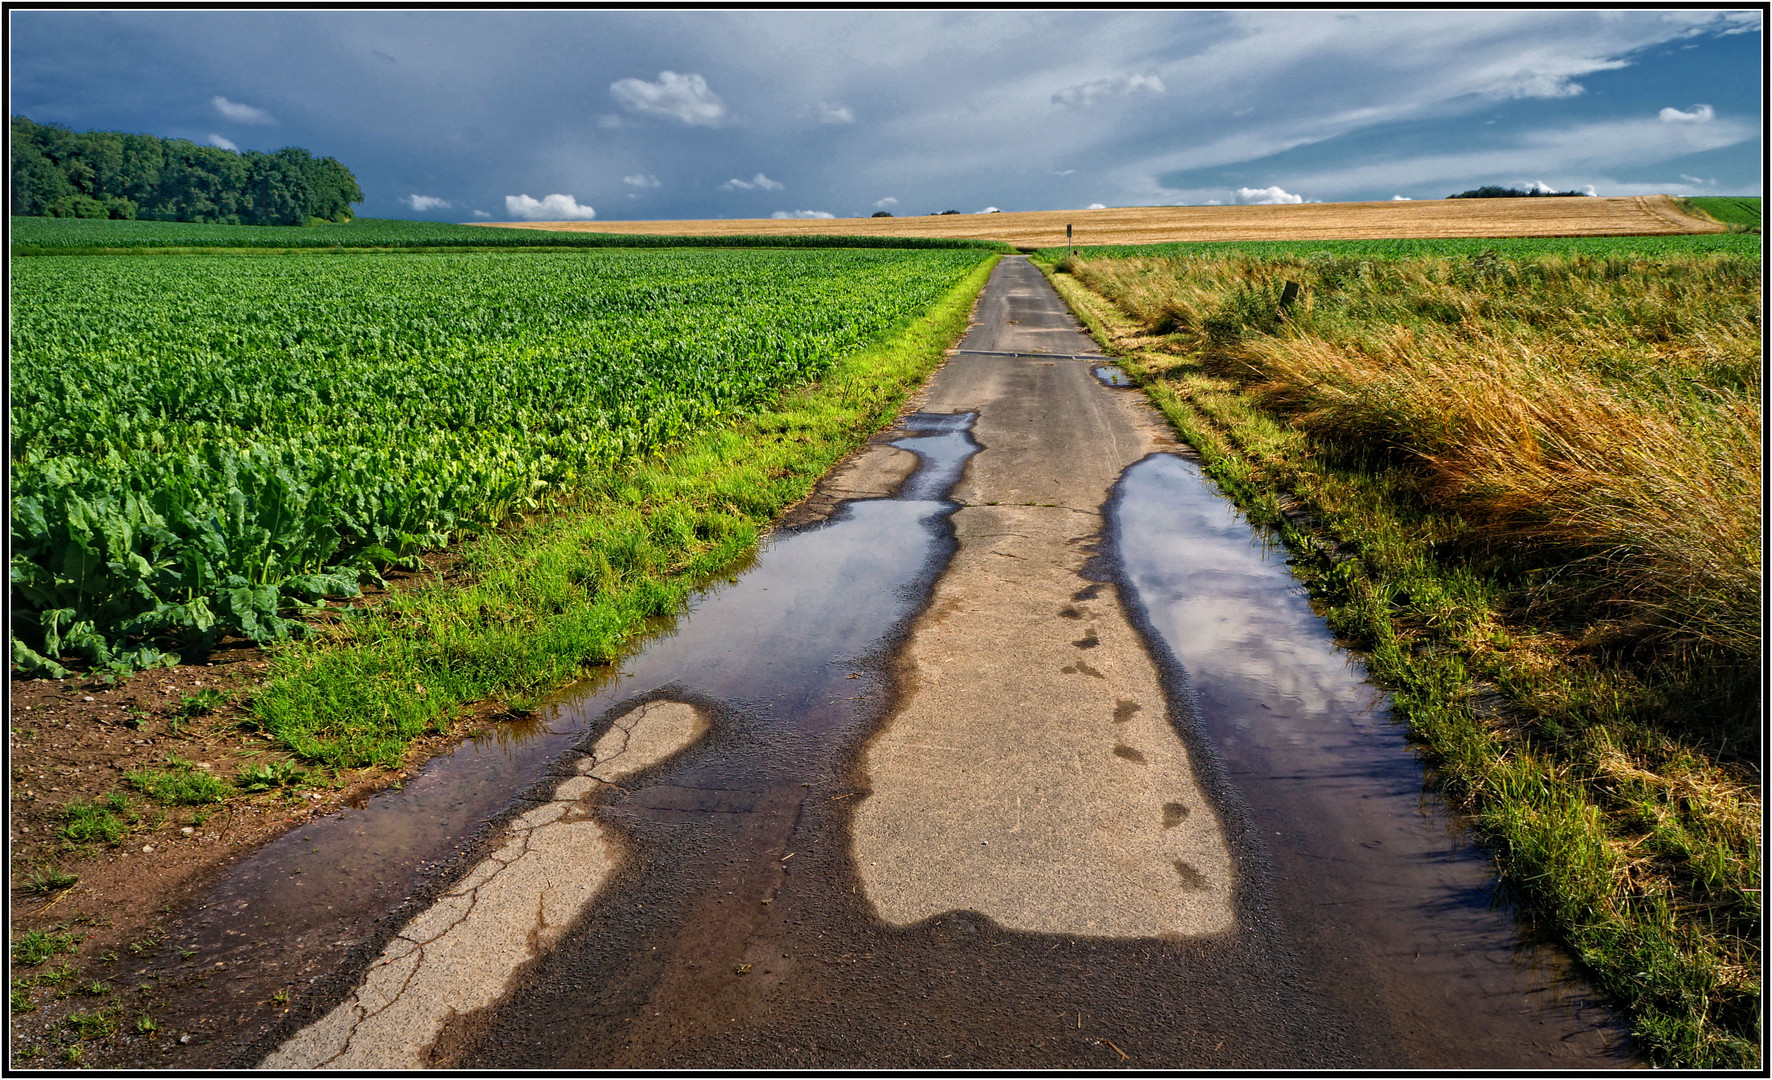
[
  {"x": 1730, "y": 209},
  {"x": 203, "y": 445},
  {"x": 48, "y": 235}
]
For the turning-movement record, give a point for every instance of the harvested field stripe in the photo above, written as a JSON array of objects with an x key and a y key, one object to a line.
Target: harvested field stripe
[{"x": 1426, "y": 218}]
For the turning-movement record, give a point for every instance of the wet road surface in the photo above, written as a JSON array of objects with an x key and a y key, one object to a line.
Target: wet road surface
[{"x": 1029, "y": 754}]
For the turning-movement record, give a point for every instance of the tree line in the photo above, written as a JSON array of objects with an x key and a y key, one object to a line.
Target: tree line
[
  {"x": 1494, "y": 191},
  {"x": 58, "y": 172}
]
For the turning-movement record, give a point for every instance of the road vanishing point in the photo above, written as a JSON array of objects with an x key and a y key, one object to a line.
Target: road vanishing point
[{"x": 1013, "y": 747}]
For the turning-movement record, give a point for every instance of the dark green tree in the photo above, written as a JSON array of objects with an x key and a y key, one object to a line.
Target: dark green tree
[
  {"x": 37, "y": 183},
  {"x": 60, "y": 172}
]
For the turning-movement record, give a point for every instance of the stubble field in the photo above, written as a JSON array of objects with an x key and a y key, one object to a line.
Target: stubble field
[{"x": 1637, "y": 215}]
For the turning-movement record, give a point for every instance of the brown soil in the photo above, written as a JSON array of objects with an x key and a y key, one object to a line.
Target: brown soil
[
  {"x": 1638, "y": 215},
  {"x": 76, "y": 740}
]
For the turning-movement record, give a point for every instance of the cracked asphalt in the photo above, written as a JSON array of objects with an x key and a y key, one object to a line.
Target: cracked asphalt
[
  {"x": 919, "y": 790},
  {"x": 457, "y": 955}
]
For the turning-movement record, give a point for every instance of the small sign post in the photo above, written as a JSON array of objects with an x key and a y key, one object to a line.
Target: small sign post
[{"x": 1067, "y": 240}]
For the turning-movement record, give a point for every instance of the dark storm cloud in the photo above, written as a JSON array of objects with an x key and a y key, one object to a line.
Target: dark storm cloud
[{"x": 654, "y": 114}]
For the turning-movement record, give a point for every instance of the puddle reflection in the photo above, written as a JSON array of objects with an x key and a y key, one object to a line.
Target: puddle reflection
[
  {"x": 1111, "y": 375},
  {"x": 775, "y": 638},
  {"x": 1333, "y": 787}
]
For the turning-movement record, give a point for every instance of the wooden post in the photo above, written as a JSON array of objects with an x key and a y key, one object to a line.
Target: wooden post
[{"x": 1067, "y": 240}]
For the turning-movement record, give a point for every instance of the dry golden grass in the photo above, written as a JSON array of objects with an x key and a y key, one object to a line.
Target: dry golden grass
[
  {"x": 1547, "y": 451},
  {"x": 1640, "y": 215},
  {"x": 1609, "y": 405}
]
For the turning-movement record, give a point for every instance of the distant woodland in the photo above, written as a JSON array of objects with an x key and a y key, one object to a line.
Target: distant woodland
[
  {"x": 1495, "y": 192},
  {"x": 57, "y": 172}
]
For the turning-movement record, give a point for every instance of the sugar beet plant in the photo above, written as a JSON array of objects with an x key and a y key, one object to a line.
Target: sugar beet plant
[{"x": 204, "y": 444}]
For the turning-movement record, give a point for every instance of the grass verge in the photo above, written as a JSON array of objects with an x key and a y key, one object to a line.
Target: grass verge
[
  {"x": 1607, "y": 753},
  {"x": 547, "y": 600}
]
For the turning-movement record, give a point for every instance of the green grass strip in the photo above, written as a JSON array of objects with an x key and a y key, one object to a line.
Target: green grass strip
[{"x": 548, "y": 600}]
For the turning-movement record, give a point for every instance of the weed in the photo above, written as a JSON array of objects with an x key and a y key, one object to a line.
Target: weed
[
  {"x": 281, "y": 997},
  {"x": 21, "y": 1000},
  {"x": 146, "y": 1025},
  {"x": 147, "y": 944},
  {"x": 53, "y": 977},
  {"x": 104, "y": 819},
  {"x": 99, "y": 1024},
  {"x": 97, "y": 988},
  {"x": 202, "y": 703},
  {"x": 36, "y": 946},
  {"x": 73, "y": 1053},
  {"x": 50, "y": 879},
  {"x": 271, "y": 774},
  {"x": 181, "y": 785}
]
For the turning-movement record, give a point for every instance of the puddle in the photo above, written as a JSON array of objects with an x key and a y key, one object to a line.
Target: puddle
[
  {"x": 1332, "y": 788},
  {"x": 778, "y": 646},
  {"x": 1111, "y": 375}
]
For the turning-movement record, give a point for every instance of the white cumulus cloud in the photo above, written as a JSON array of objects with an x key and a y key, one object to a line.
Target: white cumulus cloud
[
  {"x": 1267, "y": 196},
  {"x": 887, "y": 201},
  {"x": 225, "y": 144},
  {"x": 1123, "y": 85},
  {"x": 1697, "y": 179},
  {"x": 1700, "y": 114},
  {"x": 828, "y": 113},
  {"x": 1096, "y": 206},
  {"x": 683, "y": 98},
  {"x": 241, "y": 114},
  {"x": 552, "y": 208},
  {"x": 1541, "y": 187},
  {"x": 421, "y": 203},
  {"x": 758, "y": 182},
  {"x": 481, "y": 213},
  {"x": 990, "y": 210},
  {"x": 640, "y": 180},
  {"x": 789, "y": 215},
  {"x": 1401, "y": 198}
]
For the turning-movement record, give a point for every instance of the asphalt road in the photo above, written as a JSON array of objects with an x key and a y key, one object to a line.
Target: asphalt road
[{"x": 1027, "y": 755}]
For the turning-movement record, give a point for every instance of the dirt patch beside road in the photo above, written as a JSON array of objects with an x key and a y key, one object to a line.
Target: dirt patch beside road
[{"x": 74, "y": 742}]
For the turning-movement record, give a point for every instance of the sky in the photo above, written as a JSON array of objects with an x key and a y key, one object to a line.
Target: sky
[{"x": 609, "y": 115}]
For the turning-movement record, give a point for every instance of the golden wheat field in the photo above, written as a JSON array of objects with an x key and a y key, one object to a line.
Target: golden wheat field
[{"x": 1636, "y": 215}]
